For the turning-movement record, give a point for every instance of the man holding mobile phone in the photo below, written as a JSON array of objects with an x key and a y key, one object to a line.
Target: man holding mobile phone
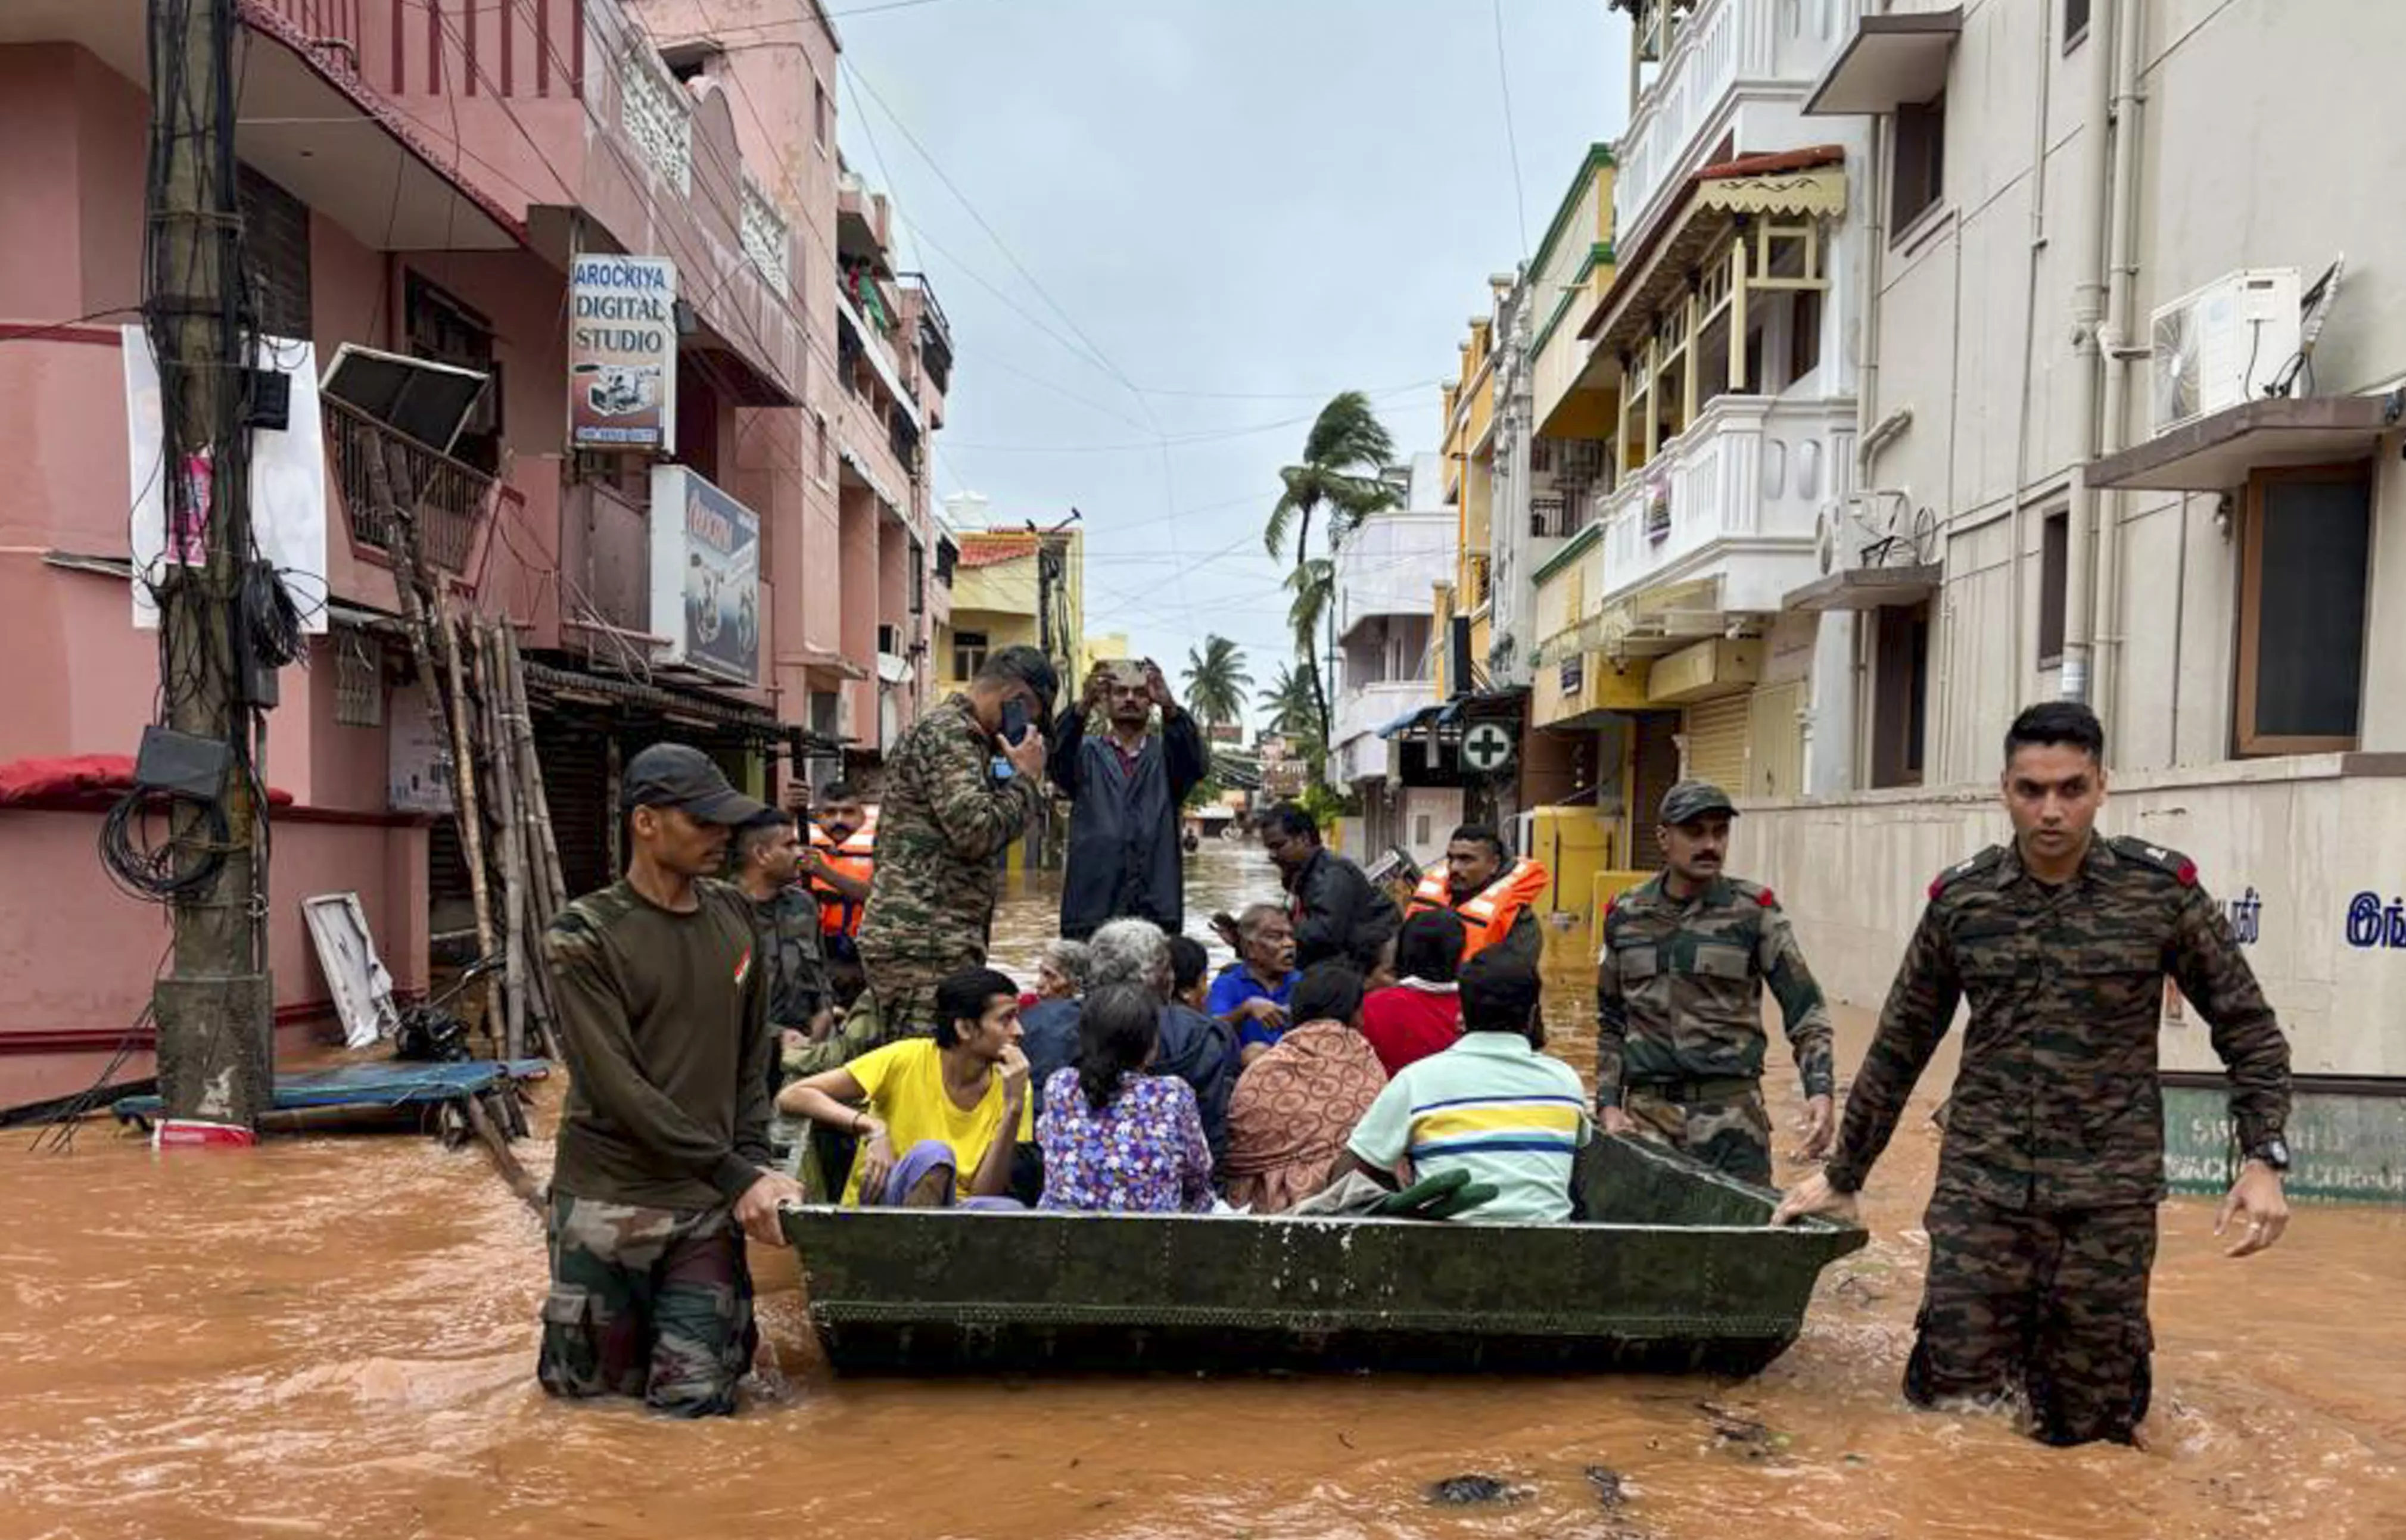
[
  {"x": 943, "y": 819},
  {"x": 1125, "y": 790}
]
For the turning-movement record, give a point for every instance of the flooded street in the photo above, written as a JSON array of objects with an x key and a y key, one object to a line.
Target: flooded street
[{"x": 336, "y": 1336}]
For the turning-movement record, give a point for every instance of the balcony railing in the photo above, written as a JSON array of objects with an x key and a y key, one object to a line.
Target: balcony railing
[
  {"x": 1753, "y": 471},
  {"x": 451, "y": 498},
  {"x": 1720, "y": 45}
]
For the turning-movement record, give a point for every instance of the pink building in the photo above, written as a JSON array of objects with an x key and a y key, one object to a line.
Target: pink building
[{"x": 418, "y": 175}]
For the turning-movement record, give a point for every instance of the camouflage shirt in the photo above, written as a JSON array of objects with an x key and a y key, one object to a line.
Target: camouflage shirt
[
  {"x": 943, "y": 823},
  {"x": 2057, "y": 1104},
  {"x": 788, "y": 924},
  {"x": 1678, "y": 990},
  {"x": 664, "y": 1020}
]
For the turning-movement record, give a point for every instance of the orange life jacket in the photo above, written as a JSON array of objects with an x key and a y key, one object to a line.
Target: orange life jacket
[
  {"x": 1489, "y": 914},
  {"x": 856, "y": 857}
]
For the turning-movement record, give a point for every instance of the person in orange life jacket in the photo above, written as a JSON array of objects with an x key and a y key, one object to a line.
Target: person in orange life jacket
[
  {"x": 840, "y": 859},
  {"x": 1489, "y": 891}
]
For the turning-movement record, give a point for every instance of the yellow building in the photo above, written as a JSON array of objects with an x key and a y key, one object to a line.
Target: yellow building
[
  {"x": 1016, "y": 587},
  {"x": 1470, "y": 490}
]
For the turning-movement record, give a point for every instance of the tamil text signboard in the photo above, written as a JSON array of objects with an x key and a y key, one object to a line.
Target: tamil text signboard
[
  {"x": 706, "y": 576},
  {"x": 622, "y": 341}
]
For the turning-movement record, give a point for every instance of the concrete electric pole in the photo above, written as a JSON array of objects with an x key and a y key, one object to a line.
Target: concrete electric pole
[{"x": 214, "y": 1010}]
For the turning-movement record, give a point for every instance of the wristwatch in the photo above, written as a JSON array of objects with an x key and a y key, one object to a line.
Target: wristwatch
[{"x": 2273, "y": 1152}]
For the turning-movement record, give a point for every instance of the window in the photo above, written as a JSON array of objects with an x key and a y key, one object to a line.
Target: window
[
  {"x": 2054, "y": 578},
  {"x": 825, "y": 469},
  {"x": 444, "y": 328},
  {"x": 358, "y": 678},
  {"x": 886, "y": 634},
  {"x": 2307, "y": 548},
  {"x": 969, "y": 654},
  {"x": 1900, "y": 689},
  {"x": 276, "y": 249},
  {"x": 2076, "y": 24},
  {"x": 1804, "y": 335},
  {"x": 1917, "y": 179},
  {"x": 1420, "y": 831},
  {"x": 819, "y": 112}
]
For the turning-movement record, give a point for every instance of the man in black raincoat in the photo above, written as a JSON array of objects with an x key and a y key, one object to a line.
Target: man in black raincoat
[{"x": 1125, "y": 790}]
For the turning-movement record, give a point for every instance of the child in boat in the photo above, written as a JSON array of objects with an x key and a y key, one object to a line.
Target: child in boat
[
  {"x": 1420, "y": 1014},
  {"x": 1115, "y": 1138}
]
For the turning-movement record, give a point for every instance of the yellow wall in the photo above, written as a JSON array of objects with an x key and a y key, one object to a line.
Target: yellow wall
[
  {"x": 1005, "y": 587},
  {"x": 1003, "y": 628}
]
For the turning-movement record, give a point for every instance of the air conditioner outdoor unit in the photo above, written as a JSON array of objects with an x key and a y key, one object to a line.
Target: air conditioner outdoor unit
[{"x": 2222, "y": 345}]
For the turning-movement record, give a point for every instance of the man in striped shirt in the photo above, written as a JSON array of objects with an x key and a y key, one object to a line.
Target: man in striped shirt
[{"x": 1491, "y": 1103}]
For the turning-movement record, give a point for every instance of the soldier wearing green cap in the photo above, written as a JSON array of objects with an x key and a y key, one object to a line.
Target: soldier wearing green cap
[{"x": 1679, "y": 1001}]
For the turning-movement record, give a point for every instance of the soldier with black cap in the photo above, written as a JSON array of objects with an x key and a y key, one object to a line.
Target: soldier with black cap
[
  {"x": 664, "y": 1161},
  {"x": 1679, "y": 1001}
]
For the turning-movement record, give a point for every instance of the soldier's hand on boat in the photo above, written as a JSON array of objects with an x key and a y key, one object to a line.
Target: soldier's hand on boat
[
  {"x": 1026, "y": 755},
  {"x": 756, "y": 1209},
  {"x": 1820, "y": 1126},
  {"x": 1815, "y": 1198},
  {"x": 1615, "y": 1121},
  {"x": 2256, "y": 1204}
]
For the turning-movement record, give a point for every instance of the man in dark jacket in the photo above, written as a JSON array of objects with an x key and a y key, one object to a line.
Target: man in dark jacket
[
  {"x": 1338, "y": 915},
  {"x": 1125, "y": 790}
]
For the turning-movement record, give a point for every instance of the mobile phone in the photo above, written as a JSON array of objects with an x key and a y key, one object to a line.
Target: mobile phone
[{"x": 1015, "y": 720}]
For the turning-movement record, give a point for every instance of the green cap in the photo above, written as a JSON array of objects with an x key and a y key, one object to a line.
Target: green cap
[{"x": 1691, "y": 800}]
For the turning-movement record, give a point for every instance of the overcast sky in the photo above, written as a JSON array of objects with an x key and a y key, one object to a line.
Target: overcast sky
[{"x": 1206, "y": 217}]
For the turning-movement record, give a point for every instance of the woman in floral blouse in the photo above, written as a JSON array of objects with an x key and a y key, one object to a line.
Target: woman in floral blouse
[{"x": 1115, "y": 1139}]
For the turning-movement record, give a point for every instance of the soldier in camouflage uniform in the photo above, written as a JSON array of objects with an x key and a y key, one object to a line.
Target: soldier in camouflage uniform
[
  {"x": 801, "y": 1006},
  {"x": 2043, "y": 1223},
  {"x": 663, "y": 1158},
  {"x": 1679, "y": 1001},
  {"x": 943, "y": 824}
]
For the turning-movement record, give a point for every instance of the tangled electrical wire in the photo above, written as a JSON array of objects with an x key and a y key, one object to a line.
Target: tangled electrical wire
[{"x": 160, "y": 871}]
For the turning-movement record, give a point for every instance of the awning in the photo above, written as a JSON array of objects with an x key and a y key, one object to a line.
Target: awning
[
  {"x": 1409, "y": 720},
  {"x": 567, "y": 684},
  {"x": 1892, "y": 59},
  {"x": 1659, "y": 619},
  {"x": 1506, "y": 701},
  {"x": 1808, "y": 183},
  {"x": 1866, "y": 588},
  {"x": 858, "y": 470},
  {"x": 2217, "y": 451},
  {"x": 819, "y": 657}
]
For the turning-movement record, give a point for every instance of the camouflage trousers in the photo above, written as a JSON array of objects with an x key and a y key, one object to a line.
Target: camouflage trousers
[
  {"x": 654, "y": 1303},
  {"x": 2046, "y": 1308},
  {"x": 1722, "y": 1124}
]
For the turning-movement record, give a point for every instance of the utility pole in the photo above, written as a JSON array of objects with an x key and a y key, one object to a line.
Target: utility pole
[{"x": 214, "y": 1010}]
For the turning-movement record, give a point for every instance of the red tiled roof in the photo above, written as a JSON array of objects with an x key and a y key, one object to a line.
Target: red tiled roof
[{"x": 990, "y": 550}]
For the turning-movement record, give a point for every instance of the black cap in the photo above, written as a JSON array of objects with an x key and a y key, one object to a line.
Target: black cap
[{"x": 678, "y": 775}]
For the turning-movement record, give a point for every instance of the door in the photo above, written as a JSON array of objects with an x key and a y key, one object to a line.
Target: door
[
  {"x": 1654, "y": 765},
  {"x": 1775, "y": 739}
]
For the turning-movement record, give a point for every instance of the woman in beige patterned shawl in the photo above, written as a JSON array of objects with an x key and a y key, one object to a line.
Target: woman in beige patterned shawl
[{"x": 1296, "y": 1104}]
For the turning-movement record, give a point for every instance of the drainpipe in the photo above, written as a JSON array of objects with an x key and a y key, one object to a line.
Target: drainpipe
[
  {"x": 2047, "y": 59},
  {"x": 2088, "y": 317},
  {"x": 2121, "y": 276},
  {"x": 1874, "y": 252}
]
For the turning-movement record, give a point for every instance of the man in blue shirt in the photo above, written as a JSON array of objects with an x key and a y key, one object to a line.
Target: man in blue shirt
[{"x": 1250, "y": 994}]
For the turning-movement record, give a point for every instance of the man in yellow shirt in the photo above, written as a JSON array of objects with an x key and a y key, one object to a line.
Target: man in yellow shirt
[{"x": 937, "y": 1118}]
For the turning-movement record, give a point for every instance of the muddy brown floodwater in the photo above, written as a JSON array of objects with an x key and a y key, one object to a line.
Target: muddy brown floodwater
[{"x": 335, "y": 1336}]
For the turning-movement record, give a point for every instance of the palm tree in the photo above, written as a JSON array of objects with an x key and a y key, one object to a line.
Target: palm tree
[
  {"x": 1216, "y": 680},
  {"x": 1288, "y": 701},
  {"x": 1342, "y": 457}
]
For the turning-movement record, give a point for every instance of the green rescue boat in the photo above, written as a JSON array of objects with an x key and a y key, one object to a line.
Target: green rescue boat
[{"x": 1673, "y": 1269}]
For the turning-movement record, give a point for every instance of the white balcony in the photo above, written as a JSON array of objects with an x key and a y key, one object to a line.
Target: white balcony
[
  {"x": 1361, "y": 711},
  {"x": 1389, "y": 564},
  {"x": 1734, "y": 497},
  {"x": 1725, "y": 52}
]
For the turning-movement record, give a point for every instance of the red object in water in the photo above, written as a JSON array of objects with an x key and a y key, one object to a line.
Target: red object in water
[{"x": 195, "y": 1134}]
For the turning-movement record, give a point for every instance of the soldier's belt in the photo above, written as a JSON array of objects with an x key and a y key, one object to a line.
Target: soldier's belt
[{"x": 1710, "y": 1088}]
